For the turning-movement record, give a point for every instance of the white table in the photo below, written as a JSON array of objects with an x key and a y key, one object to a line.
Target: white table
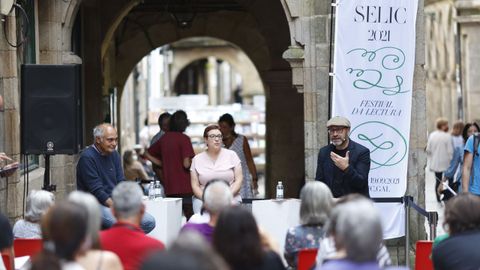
[
  {"x": 276, "y": 217},
  {"x": 168, "y": 218}
]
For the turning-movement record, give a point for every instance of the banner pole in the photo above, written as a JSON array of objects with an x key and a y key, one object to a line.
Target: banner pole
[
  {"x": 407, "y": 231},
  {"x": 330, "y": 60}
]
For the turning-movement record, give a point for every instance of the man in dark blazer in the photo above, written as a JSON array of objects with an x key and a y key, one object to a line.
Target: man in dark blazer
[{"x": 343, "y": 165}]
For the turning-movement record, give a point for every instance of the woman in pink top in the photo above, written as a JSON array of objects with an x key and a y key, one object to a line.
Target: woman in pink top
[{"x": 215, "y": 163}]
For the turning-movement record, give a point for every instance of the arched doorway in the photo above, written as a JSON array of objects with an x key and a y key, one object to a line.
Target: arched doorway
[{"x": 130, "y": 31}]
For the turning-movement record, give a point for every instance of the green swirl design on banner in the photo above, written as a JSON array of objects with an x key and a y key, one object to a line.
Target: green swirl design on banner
[
  {"x": 398, "y": 59},
  {"x": 363, "y": 84},
  {"x": 393, "y": 59},
  {"x": 384, "y": 151}
]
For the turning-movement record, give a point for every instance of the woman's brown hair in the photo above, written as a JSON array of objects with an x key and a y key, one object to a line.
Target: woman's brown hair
[{"x": 207, "y": 129}]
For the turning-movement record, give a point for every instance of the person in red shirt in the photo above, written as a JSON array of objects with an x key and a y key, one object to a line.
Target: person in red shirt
[
  {"x": 125, "y": 238},
  {"x": 173, "y": 153}
]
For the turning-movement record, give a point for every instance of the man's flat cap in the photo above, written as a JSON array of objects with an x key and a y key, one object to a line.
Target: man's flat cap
[{"x": 338, "y": 121}]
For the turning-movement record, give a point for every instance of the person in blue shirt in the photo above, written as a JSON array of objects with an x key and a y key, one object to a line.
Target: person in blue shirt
[
  {"x": 99, "y": 170},
  {"x": 471, "y": 176}
]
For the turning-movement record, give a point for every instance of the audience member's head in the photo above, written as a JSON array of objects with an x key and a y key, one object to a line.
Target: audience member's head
[
  {"x": 442, "y": 124},
  {"x": 457, "y": 128},
  {"x": 38, "y": 202},
  {"x": 127, "y": 202},
  {"x": 356, "y": 228},
  {"x": 94, "y": 219},
  {"x": 227, "y": 125},
  {"x": 461, "y": 213},
  {"x": 316, "y": 203},
  {"x": 216, "y": 197},
  {"x": 6, "y": 237},
  {"x": 128, "y": 158},
  {"x": 469, "y": 129},
  {"x": 64, "y": 230},
  {"x": 179, "y": 121},
  {"x": 164, "y": 121},
  {"x": 190, "y": 251},
  {"x": 237, "y": 239}
]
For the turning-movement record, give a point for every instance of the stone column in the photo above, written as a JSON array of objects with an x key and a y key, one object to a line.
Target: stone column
[
  {"x": 11, "y": 189},
  {"x": 309, "y": 59},
  {"x": 285, "y": 133}
]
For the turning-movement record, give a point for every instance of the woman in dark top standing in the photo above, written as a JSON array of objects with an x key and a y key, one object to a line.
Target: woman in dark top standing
[{"x": 237, "y": 239}]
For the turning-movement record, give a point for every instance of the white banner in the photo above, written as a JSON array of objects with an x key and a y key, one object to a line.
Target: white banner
[{"x": 373, "y": 82}]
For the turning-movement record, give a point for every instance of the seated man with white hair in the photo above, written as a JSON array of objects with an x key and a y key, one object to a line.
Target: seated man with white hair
[
  {"x": 38, "y": 202},
  {"x": 216, "y": 197},
  {"x": 125, "y": 238}
]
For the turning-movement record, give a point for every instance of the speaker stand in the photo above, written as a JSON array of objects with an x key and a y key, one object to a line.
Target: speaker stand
[{"x": 46, "y": 176}]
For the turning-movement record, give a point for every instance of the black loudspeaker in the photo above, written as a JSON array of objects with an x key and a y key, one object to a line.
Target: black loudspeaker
[{"x": 50, "y": 109}]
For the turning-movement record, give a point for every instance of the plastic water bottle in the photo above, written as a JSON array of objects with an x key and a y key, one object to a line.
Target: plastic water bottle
[
  {"x": 151, "y": 191},
  {"x": 158, "y": 190},
  {"x": 279, "y": 190}
]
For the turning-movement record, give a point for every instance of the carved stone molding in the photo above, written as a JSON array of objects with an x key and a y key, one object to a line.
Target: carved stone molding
[{"x": 295, "y": 56}]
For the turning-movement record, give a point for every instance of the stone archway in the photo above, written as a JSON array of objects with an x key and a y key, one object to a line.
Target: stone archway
[{"x": 243, "y": 23}]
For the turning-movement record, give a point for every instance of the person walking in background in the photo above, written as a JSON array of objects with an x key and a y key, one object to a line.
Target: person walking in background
[
  {"x": 316, "y": 204},
  {"x": 38, "y": 203},
  {"x": 471, "y": 164},
  {"x": 454, "y": 172},
  {"x": 239, "y": 144},
  {"x": 469, "y": 130},
  {"x": 439, "y": 151},
  {"x": 125, "y": 238},
  {"x": 94, "y": 258},
  {"x": 164, "y": 125},
  {"x": 456, "y": 133},
  {"x": 99, "y": 170},
  {"x": 173, "y": 154},
  {"x": 343, "y": 165},
  {"x": 215, "y": 163}
]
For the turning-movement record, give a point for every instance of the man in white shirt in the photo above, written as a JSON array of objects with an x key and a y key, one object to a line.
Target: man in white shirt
[{"x": 440, "y": 151}]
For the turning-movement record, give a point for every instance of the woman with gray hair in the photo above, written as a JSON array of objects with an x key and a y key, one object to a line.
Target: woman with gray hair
[
  {"x": 94, "y": 258},
  {"x": 356, "y": 231},
  {"x": 38, "y": 202},
  {"x": 316, "y": 204}
]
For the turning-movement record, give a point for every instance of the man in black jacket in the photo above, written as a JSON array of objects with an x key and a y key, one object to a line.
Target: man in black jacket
[{"x": 343, "y": 165}]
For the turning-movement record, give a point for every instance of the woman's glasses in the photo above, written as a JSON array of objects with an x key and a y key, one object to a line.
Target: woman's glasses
[{"x": 213, "y": 137}]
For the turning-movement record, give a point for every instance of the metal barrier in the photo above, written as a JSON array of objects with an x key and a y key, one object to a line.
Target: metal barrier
[{"x": 408, "y": 202}]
